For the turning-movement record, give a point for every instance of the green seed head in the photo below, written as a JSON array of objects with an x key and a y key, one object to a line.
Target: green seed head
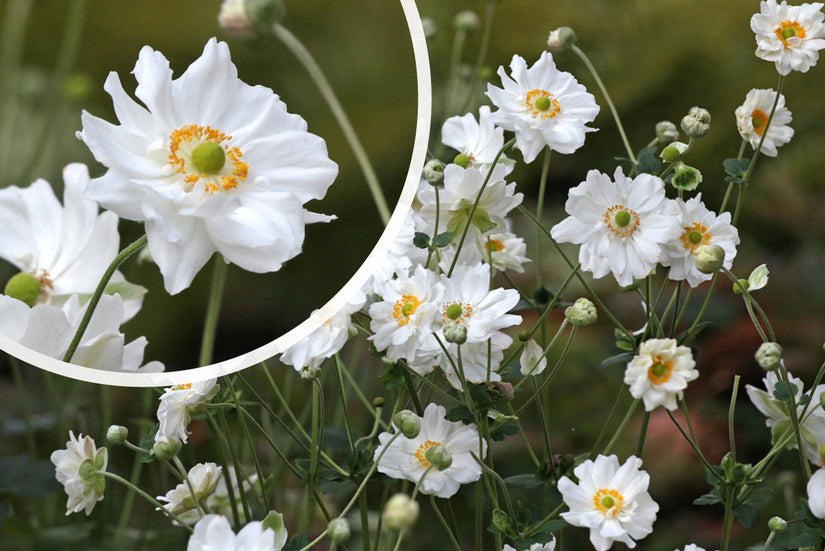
[
  {"x": 24, "y": 287},
  {"x": 622, "y": 218},
  {"x": 542, "y": 103},
  {"x": 658, "y": 369},
  {"x": 208, "y": 158},
  {"x": 788, "y": 32},
  {"x": 462, "y": 160},
  {"x": 454, "y": 311},
  {"x": 757, "y": 121},
  {"x": 695, "y": 237},
  {"x": 608, "y": 502}
]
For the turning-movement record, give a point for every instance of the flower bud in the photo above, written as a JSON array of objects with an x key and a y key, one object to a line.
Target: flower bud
[
  {"x": 407, "y": 422},
  {"x": 673, "y": 152},
  {"x": 250, "y": 18},
  {"x": 696, "y": 124},
  {"x": 308, "y": 372},
  {"x": 24, "y": 287},
  {"x": 338, "y": 530},
  {"x": 429, "y": 27},
  {"x": 116, "y": 434},
  {"x": 400, "y": 512},
  {"x": 561, "y": 39},
  {"x": 708, "y": 258},
  {"x": 777, "y": 524},
  {"x": 685, "y": 177},
  {"x": 769, "y": 356},
  {"x": 532, "y": 359},
  {"x": 455, "y": 333},
  {"x": 582, "y": 313},
  {"x": 467, "y": 21},
  {"x": 166, "y": 447},
  {"x": 739, "y": 285},
  {"x": 433, "y": 172},
  {"x": 666, "y": 132},
  {"x": 378, "y": 402},
  {"x": 439, "y": 457}
]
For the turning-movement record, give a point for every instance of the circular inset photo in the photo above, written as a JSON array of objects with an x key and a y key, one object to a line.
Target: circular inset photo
[{"x": 202, "y": 188}]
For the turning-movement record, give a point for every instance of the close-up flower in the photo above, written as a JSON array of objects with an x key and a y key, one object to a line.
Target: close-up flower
[
  {"x": 543, "y": 106},
  {"x": 622, "y": 224},
  {"x": 210, "y": 164},
  {"x": 775, "y": 410},
  {"x": 213, "y": 533},
  {"x": 611, "y": 500},
  {"x": 790, "y": 36},
  {"x": 177, "y": 404},
  {"x": 700, "y": 226},
  {"x": 752, "y": 121},
  {"x": 79, "y": 468},
  {"x": 201, "y": 480},
  {"x": 407, "y": 458},
  {"x": 660, "y": 372},
  {"x": 478, "y": 140}
]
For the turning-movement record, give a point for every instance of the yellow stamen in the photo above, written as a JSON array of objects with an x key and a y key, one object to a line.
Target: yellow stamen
[
  {"x": 621, "y": 221},
  {"x": 542, "y": 104},
  {"x": 660, "y": 371},
  {"x": 608, "y": 502},
  {"x": 759, "y": 119},
  {"x": 788, "y": 29},
  {"x": 404, "y": 308},
  {"x": 494, "y": 245},
  {"x": 456, "y": 312},
  {"x": 182, "y": 143},
  {"x": 184, "y": 386},
  {"x": 694, "y": 236}
]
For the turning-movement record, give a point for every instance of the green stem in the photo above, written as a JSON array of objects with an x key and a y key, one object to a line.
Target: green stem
[
  {"x": 155, "y": 503},
  {"x": 317, "y": 75},
  {"x": 621, "y": 428},
  {"x": 545, "y": 168},
  {"x": 444, "y": 523},
  {"x": 210, "y": 323},
  {"x": 95, "y": 298}
]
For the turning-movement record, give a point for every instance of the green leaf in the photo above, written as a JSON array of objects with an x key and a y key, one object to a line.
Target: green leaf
[
  {"x": 735, "y": 170},
  {"x": 647, "y": 161},
  {"x": 460, "y": 413},
  {"x": 297, "y": 543},
  {"x": 746, "y": 512},
  {"x": 500, "y": 433},
  {"x": 393, "y": 376},
  {"x": 147, "y": 442},
  {"x": 711, "y": 498},
  {"x": 421, "y": 240},
  {"x": 689, "y": 335},
  {"x": 618, "y": 360},
  {"x": 784, "y": 391},
  {"x": 443, "y": 239},
  {"x": 524, "y": 481}
]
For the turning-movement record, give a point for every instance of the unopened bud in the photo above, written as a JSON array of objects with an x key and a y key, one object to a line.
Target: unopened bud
[
  {"x": 250, "y": 18},
  {"x": 455, "y": 333},
  {"x": 582, "y": 313},
  {"x": 24, "y": 287},
  {"x": 439, "y": 457},
  {"x": 739, "y": 285},
  {"x": 561, "y": 39},
  {"x": 433, "y": 172},
  {"x": 378, "y": 402},
  {"x": 117, "y": 434},
  {"x": 696, "y": 124},
  {"x": 400, "y": 512},
  {"x": 709, "y": 258},
  {"x": 666, "y": 132},
  {"x": 777, "y": 524},
  {"x": 166, "y": 447},
  {"x": 769, "y": 356},
  {"x": 673, "y": 152},
  {"x": 467, "y": 21},
  {"x": 407, "y": 422},
  {"x": 429, "y": 27},
  {"x": 338, "y": 530},
  {"x": 685, "y": 177}
]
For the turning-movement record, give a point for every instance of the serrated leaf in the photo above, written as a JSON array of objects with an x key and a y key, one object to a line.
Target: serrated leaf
[
  {"x": 619, "y": 359},
  {"x": 460, "y": 413},
  {"x": 647, "y": 161},
  {"x": 746, "y": 512},
  {"x": 707, "y": 499},
  {"x": 443, "y": 239},
  {"x": 297, "y": 543},
  {"x": 421, "y": 240},
  {"x": 500, "y": 433},
  {"x": 784, "y": 391},
  {"x": 147, "y": 442}
]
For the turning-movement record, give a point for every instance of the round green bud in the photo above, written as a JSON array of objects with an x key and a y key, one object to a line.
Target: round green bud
[
  {"x": 666, "y": 132},
  {"x": 685, "y": 178},
  {"x": 582, "y": 313},
  {"x": 439, "y": 457},
  {"x": 561, "y": 39},
  {"x": 769, "y": 356},
  {"x": 408, "y": 423},
  {"x": 524, "y": 336},
  {"x": 455, "y": 333},
  {"x": 454, "y": 311},
  {"x": 740, "y": 282},
  {"x": 777, "y": 524},
  {"x": 433, "y": 172},
  {"x": 378, "y": 402},
  {"x": 608, "y": 502},
  {"x": 400, "y": 512},
  {"x": 696, "y": 124},
  {"x": 338, "y": 530},
  {"x": 117, "y": 434},
  {"x": 208, "y": 157},
  {"x": 622, "y": 218},
  {"x": 462, "y": 160},
  {"x": 24, "y": 287},
  {"x": 542, "y": 103},
  {"x": 708, "y": 258},
  {"x": 467, "y": 21},
  {"x": 166, "y": 447},
  {"x": 673, "y": 152}
]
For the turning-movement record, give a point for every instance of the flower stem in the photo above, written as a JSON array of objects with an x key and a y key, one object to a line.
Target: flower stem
[
  {"x": 210, "y": 323},
  {"x": 95, "y": 298},
  {"x": 317, "y": 75},
  {"x": 148, "y": 498}
]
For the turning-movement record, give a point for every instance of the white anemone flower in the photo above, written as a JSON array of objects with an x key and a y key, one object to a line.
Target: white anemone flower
[
  {"x": 811, "y": 427},
  {"x": 621, "y": 226},
  {"x": 80, "y": 469},
  {"x": 816, "y": 493},
  {"x": 660, "y": 372},
  {"x": 177, "y": 404},
  {"x": 700, "y": 226},
  {"x": 549, "y": 546},
  {"x": 201, "y": 481},
  {"x": 752, "y": 119},
  {"x": 611, "y": 500},
  {"x": 506, "y": 251},
  {"x": 543, "y": 106},
  {"x": 480, "y": 140},
  {"x": 532, "y": 360},
  {"x": 406, "y": 458},
  {"x": 214, "y": 532},
  {"x": 218, "y": 501},
  {"x": 210, "y": 164},
  {"x": 790, "y": 36}
]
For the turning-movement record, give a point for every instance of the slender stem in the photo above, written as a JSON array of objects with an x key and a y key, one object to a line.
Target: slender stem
[
  {"x": 444, "y": 523},
  {"x": 317, "y": 75},
  {"x": 545, "y": 168},
  {"x": 642, "y": 433},
  {"x": 158, "y": 505},
  {"x": 95, "y": 298},
  {"x": 613, "y": 111},
  {"x": 251, "y": 444},
  {"x": 731, "y": 410},
  {"x": 317, "y": 441},
  {"x": 727, "y": 522},
  {"x": 339, "y": 367},
  {"x": 621, "y": 428},
  {"x": 210, "y": 323}
]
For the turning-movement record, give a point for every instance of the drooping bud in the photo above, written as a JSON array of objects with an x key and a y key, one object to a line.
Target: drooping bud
[
  {"x": 249, "y": 19},
  {"x": 166, "y": 447},
  {"x": 24, "y": 287},
  {"x": 439, "y": 457},
  {"x": 532, "y": 359},
  {"x": 777, "y": 524},
  {"x": 467, "y": 21},
  {"x": 407, "y": 422},
  {"x": 455, "y": 333},
  {"x": 338, "y": 530},
  {"x": 582, "y": 313},
  {"x": 433, "y": 172},
  {"x": 561, "y": 39},
  {"x": 685, "y": 177},
  {"x": 666, "y": 132},
  {"x": 708, "y": 258},
  {"x": 400, "y": 512},
  {"x": 696, "y": 124},
  {"x": 769, "y": 356},
  {"x": 673, "y": 152},
  {"x": 117, "y": 434}
]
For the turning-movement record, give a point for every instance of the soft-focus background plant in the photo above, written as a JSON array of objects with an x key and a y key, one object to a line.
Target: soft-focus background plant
[{"x": 657, "y": 59}]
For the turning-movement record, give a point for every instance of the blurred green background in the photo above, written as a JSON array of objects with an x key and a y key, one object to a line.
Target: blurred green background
[{"x": 656, "y": 58}]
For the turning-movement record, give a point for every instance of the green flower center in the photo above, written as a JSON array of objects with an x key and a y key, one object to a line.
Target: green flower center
[
  {"x": 24, "y": 287},
  {"x": 462, "y": 160},
  {"x": 695, "y": 237},
  {"x": 608, "y": 502},
  {"x": 208, "y": 157},
  {"x": 622, "y": 218},
  {"x": 407, "y": 309},
  {"x": 658, "y": 369},
  {"x": 542, "y": 103},
  {"x": 454, "y": 311},
  {"x": 788, "y": 32}
]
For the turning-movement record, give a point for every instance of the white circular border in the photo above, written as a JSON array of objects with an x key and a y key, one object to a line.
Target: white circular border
[{"x": 422, "y": 129}]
